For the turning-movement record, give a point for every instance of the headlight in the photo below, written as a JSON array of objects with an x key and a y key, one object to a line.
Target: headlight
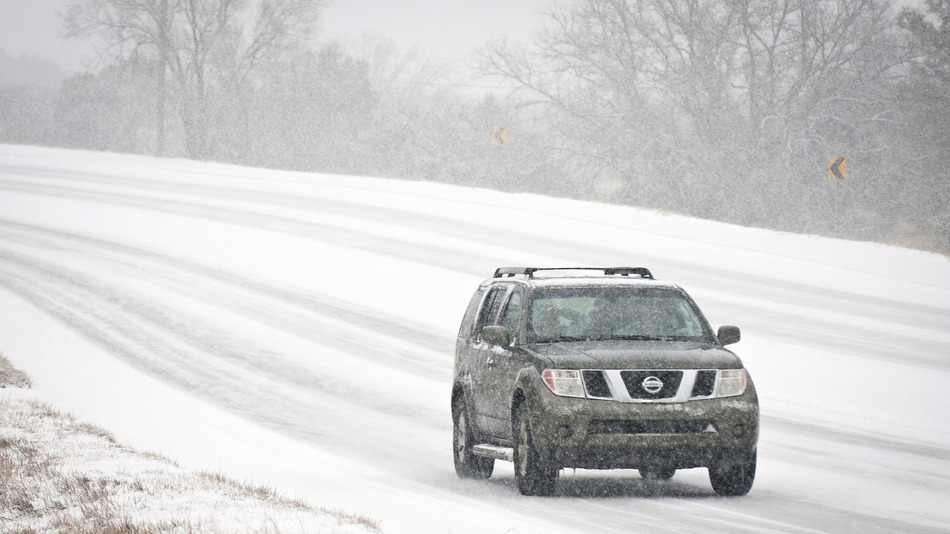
[
  {"x": 566, "y": 383},
  {"x": 732, "y": 382}
]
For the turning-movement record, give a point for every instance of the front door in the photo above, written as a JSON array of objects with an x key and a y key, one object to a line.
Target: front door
[
  {"x": 482, "y": 358},
  {"x": 503, "y": 370}
]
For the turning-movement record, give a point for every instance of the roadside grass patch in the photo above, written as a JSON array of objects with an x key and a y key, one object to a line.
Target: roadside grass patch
[
  {"x": 62, "y": 475},
  {"x": 12, "y": 377}
]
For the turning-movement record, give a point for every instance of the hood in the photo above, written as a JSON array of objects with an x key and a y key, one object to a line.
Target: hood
[{"x": 636, "y": 355}]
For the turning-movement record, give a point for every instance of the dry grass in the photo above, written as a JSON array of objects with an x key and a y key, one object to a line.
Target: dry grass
[
  {"x": 59, "y": 474},
  {"x": 12, "y": 377}
]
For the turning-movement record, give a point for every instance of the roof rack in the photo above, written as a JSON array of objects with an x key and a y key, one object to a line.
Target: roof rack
[{"x": 643, "y": 272}]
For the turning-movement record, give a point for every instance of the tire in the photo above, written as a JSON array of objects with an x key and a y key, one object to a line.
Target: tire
[
  {"x": 733, "y": 480},
  {"x": 467, "y": 465},
  {"x": 657, "y": 474},
  {"x": 533, "y": 475}
]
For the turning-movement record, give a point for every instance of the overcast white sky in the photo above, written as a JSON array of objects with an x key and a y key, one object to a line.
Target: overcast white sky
[{"x": 442, "y": 28}]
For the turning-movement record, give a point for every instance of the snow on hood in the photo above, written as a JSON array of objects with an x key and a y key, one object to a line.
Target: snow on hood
[{"x": 637, "y": 355}]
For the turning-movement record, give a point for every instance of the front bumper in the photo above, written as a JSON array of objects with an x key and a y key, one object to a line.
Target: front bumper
[{"x": 605, "y": 434}]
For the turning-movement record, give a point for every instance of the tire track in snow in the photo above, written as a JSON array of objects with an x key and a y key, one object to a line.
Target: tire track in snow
[
  {"x": 339, "y": 235},
  {"x": 360, "y": 318},
  {"x": 211, "y": 363},
  {"x": 773, "y": 289},
  {"x": 885, "y": 345},
  {"x": 847, "y": 451}
]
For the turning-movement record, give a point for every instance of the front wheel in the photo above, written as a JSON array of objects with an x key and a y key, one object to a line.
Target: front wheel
[
  {"x": 533, "y": 475},
  {"x": 467, "y": 465},
  {"x": 733, "y": 480}
]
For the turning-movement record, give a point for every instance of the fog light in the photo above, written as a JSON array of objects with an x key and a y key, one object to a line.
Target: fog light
[
  {"x": 564, "y": 432},
  {"x": 738, "y": 431}
]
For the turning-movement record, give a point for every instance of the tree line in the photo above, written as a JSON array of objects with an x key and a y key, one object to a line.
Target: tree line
[{"x": 729, "y": 110}]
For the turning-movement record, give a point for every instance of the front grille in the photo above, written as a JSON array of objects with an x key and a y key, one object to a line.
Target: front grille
[
  {"x": 650, "y": 385},
  {"x": 617, "y": 426},
  {"x": 640, "y": 384}
]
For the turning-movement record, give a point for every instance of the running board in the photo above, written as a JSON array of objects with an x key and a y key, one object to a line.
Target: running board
[{"x": 494, "y": 451}]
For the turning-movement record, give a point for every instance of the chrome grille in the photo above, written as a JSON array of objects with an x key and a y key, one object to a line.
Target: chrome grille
[{"x": 650, "y": 385}]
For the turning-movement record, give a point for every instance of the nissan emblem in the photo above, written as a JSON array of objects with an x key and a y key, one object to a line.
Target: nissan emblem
[{"x": 652, "y": 385}]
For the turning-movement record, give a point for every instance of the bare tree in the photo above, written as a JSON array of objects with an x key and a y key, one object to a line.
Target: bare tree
[
  {"x": 926, "y": 98},
  {"x": 700, "y": 102},
  {"x": 208, "y": 47}
]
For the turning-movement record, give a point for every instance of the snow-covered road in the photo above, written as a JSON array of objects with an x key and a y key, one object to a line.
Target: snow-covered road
[{"x": 298, "y": 330}]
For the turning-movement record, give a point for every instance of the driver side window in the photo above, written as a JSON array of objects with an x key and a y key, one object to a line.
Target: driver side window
[
  {"x": 489, "y": 311},
  {"x": 511, "y": 317}
]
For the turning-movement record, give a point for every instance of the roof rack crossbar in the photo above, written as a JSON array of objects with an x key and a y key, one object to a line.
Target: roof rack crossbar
[
  {"x": 512, "y": 271},
  {"x": 642, "y": 272}
]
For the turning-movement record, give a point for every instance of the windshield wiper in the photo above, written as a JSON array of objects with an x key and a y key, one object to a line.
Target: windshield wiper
[
  {"x": 563, "y": 339},
  {"x": 642, "y": 338}
]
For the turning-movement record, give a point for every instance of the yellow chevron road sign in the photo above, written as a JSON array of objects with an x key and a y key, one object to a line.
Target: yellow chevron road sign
[
  {"x": 837, "y": 168},
  {"x": 499, "y": 136}
]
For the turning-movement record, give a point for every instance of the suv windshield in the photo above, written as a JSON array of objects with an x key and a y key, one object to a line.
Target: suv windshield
[{"x": 614, "y": 313}]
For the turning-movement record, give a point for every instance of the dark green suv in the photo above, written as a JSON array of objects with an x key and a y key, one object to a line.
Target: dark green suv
[{"x": 600, "y": 369}]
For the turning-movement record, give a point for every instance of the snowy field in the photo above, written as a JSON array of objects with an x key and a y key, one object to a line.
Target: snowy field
[{"x": 297, "y": 330}]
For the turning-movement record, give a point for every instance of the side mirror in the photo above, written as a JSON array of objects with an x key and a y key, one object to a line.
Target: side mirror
[
  {"x": 728, "y": 335},
  {"x": 496, "y": 335}
]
